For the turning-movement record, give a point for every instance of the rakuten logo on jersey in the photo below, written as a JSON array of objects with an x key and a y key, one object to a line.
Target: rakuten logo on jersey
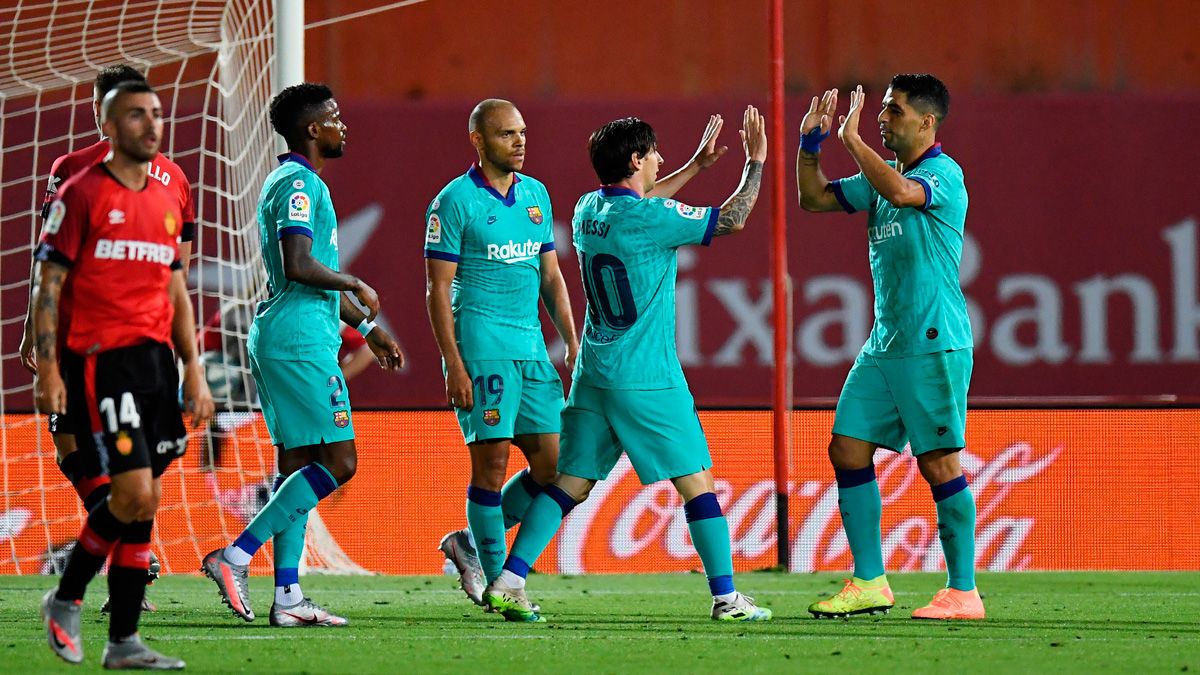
[
  {"x": 137, "y": 251},
  {"x": 513, "y": 251}
]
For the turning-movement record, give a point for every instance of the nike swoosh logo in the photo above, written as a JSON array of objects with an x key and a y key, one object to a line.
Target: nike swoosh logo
[{"x": 301, "y": 619}]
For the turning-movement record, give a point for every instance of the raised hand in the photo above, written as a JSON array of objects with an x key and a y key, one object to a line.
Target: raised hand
[
  {"x": 754, "y": 135},
  {"x": 849, "y": 122},
  {"x": 820, "y": 113},
  {"x": 708, "y": 153}
]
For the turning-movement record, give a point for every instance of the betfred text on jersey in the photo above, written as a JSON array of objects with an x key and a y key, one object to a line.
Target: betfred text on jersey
[
  {"x": 514, "y": 251},
  {"x": 129, "y": 249}
]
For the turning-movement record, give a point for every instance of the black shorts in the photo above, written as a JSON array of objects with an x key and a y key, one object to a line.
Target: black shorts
[{"x": 125, "y": 407}]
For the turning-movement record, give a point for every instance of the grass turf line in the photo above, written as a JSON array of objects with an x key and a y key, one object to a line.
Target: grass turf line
[{"x": 1089, "y": 622}]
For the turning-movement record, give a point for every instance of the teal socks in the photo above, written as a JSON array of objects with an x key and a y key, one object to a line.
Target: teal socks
[
  {"x": 861, "y": 509},
  {"x": 710, "y": 536},
  {"x": 485, "y": 517},
  {"x": 956, "y": 529}
]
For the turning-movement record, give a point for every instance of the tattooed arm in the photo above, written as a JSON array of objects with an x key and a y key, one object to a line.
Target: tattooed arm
[
  {"x": 48, "y": 390},
  {"x": 736, "y": 209}
]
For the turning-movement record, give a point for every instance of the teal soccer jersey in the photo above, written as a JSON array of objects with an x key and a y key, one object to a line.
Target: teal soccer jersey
[
  {"x": 915, "y": 254},
  {"x": 627, "y": 256},
  {"x": 296, "y": 321},
  {"x": 497, "y": 241}
]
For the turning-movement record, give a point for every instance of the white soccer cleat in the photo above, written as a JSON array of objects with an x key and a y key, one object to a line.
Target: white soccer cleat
[
  {"x": 131, "y": 654},
  {"x": 456, "y": 546},
  {"x": 304, "y": 613},
  {"x": 61, "y": 619},
  {"x": 233, "y": 582},
  {"x": 741, "y": 608}
]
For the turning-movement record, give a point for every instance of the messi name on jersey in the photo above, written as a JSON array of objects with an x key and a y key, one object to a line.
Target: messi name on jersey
[{"x": 514, "y": 251}]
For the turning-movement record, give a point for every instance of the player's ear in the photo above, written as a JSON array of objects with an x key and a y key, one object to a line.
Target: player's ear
[
  {"x": 476, "y": 140},
  {"x": 314, "y": 130}
]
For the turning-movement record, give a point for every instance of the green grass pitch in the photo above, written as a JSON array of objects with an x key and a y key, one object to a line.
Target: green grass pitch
[{"x": 1037, "y": 622}]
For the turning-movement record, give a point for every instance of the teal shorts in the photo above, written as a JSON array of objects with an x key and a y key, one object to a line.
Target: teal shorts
[
  {"x": 512, "y": 398},
  {"x": 303, "y": 402},
  {"x": 920, "y": 400},
  {"x": 657, "y": 428}
]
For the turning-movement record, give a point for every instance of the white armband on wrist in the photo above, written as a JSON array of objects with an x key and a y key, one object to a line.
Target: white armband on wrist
[{"x": 366, "y": 327}]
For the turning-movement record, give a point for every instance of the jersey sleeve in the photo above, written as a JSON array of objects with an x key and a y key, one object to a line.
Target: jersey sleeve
[
  {"x": 444, "y": 224},
  {"x": 854, "y": 193},
  {"x": 548, "y": 221},
  {"x": 673, "y": 224},
  {"x": 296, "y": 204},
  {"x": 57, "y": 171},
  {"x": 64, "y": 229},
  {"x": 943, "y": 185},
  {"x": 187, "y": 208}
]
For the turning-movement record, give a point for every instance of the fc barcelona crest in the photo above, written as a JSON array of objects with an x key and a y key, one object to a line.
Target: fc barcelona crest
[
  {"x": 535, "y": 214},
  {"x": 491, "y": 417},
  {"x": 341, "y": 418}
]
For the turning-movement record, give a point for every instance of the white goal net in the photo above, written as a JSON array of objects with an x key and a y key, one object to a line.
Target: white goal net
[{"x": 211, "y": 64}]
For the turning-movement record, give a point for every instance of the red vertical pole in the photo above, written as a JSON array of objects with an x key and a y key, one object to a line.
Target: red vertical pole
[{"x": 780, "y": 288}]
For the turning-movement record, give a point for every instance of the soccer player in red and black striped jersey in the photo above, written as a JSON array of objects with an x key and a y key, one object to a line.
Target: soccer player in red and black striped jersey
[
  {"x": 113, "y": 230},
  {"x": 89, "y": 482}
]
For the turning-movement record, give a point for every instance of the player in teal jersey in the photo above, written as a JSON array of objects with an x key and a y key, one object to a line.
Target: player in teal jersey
[
  {"x": 629, "y": 393},
  {"x": 489, "y": 257},
  {"x": 909, "y": 383},
  {"x": 293, "y": 346}
]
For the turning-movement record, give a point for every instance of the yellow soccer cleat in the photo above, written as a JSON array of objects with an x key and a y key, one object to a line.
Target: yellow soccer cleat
[
  {"x": 858, "y": 596},
  {"x": 952, "y": 604}
]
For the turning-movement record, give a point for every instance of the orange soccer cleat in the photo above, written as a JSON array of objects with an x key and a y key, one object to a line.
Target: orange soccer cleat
[{"x": 951, "y": 603}]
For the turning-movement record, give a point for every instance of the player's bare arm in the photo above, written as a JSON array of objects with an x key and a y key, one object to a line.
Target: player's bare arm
[
  {"x": 383, "y": 346},
  {"x": 554, "y": 295},
  {"x": 736, "y": 209},
  {"x": 300, "y": 266},
  {"x": 705, "y": 156},
  {"x": 887, "y": 181},
  {"x": 48, "y": 390},
  {"x": 814, "y": 189},
  {"x": 28, "y": 350},
  {"x": 196, "y": 397},
  {"x": 438, "y": 276}
]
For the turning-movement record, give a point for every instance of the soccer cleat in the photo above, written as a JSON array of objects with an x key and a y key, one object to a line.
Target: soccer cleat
[
  {"x": 61, "y": 618},
  {"x": 511, "y": 603},
  {"x": 858, "y": 596},
  {"x": 304, "y": 613},
  {"x": 741, "y": 608},
  {"x": 153, "y": 572},
  {"x": 456, "y": 546},
  {"x": 131, "y": 654},
  {"x": 230, "y": 577},
  {"x": 147, "y": 606},
  {"x": 950, "y": 604}
]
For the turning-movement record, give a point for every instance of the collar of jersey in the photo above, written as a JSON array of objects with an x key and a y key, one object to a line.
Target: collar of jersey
[
  {"x": 482, "y": 182},
  {"x": 931, "y": 152},
  {"x": 297, "y": 158},
  {"x": 612, "y": 191}
]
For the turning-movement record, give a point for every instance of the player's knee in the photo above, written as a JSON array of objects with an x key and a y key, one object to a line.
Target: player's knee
[
  {"x": 487, "y": 471},
  {"x": 343, "y": 469},
  {"x": 133, "y": 503},
  {"x": 543, "y": 474},
  {"x": 849, "y": 454}
]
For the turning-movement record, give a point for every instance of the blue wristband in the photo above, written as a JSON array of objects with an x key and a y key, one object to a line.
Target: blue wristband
[{"x": 811, "y": 141}]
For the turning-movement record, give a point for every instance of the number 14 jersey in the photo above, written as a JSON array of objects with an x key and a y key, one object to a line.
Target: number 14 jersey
[{"x": 627, "y": 256}]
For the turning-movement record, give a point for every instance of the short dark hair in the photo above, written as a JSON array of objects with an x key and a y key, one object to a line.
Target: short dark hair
[
  {"x": 110, "y": 76},
  {"x": 483, "y": 110},
  {"x": 294, "y": 108},
  {"x": 611, "y": 146},
  {"x": 925, "y": 92},
  {"x": 120, "y": 89}
]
